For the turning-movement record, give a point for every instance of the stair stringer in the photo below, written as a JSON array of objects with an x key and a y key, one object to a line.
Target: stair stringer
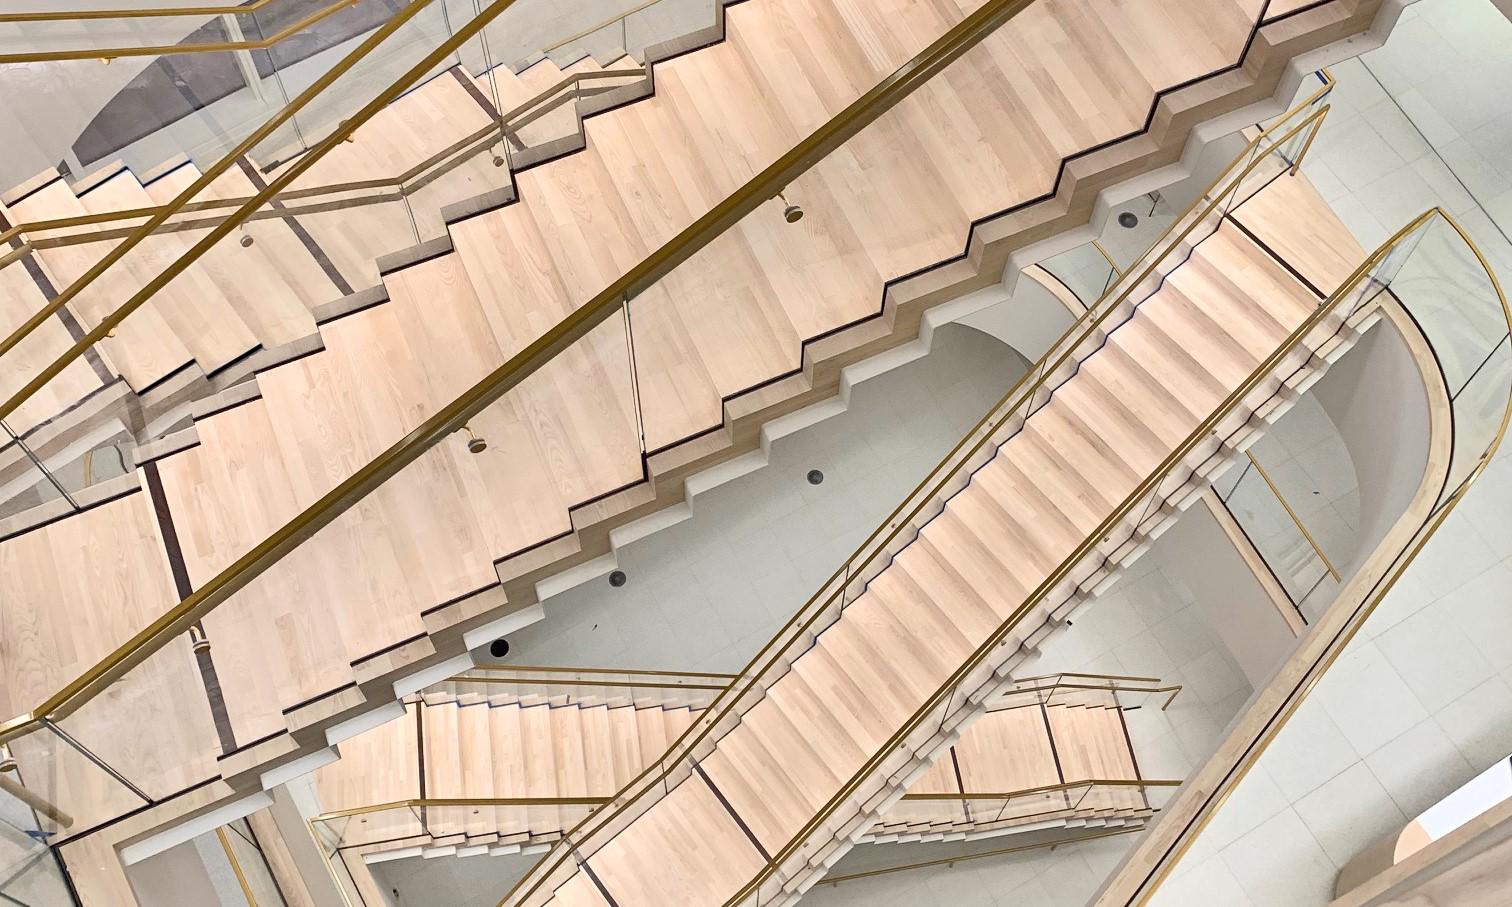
[
  {"x": 990, "y": 245},
  {"x": 1099, "y": 570}
]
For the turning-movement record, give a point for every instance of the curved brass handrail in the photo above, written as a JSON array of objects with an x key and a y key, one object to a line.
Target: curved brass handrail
[
  {"x": 1023, "y": 390},
  {"x": 948, "y": 690},
  {"x": 106, "y": 54},
  {"x": 960, "y": 38},
  {"x": 1444, "y": 505}
]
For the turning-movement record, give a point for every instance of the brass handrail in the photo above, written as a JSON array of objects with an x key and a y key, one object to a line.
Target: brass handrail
[
  {"x": 225, "y": 226},
  {"x": 1059, "y": 674},
  {"x": 174, "y": 622},
  {"x": 420, "y": 174},
  {"x": 1444, "y": 505},
  {"x": 241, "y": 878},
  {"x": 1149, "y": 485},
  {"x": 765, "y": 185},
  {"x": 542, "y": 681},
  {"x": 1174, "y": 689},
  {"x": 1089, "y": 322},
  {"x": 949, "y": 862},
  {"x": 1296, "y": 520},
  {"x": 105, "y": 54},
  {"x": 459, "y": 801},
  {"x": 488, "y": 666}
]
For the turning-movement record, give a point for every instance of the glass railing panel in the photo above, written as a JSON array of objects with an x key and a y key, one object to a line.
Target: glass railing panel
[
  {"x": 353, "y": 88},
  {"x": 29, "y": 872},
  {"x": 1445, "y": 286},
  {"x": 1479, "y": 411},
  {"x": 1275, "y": 533},
  {"x": 504, "y": 682},
  {"x": 1084, "y": 271},
  {"x": 103, "y": 37},
  {"x": 398, "y": 824},
  {"x": 37, "y": 487},
  {"x": 27, "y": 484},
  {"x": 142, "y": 89},
  {"x": 72, "y": 781},
  {"x": 1135, "y": 226},
  {"x": 167, "y": 694},
  {"x": 250, "y": 865}
]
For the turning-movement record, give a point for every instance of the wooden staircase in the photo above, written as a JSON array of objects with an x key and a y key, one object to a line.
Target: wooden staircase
[
  {"x": 772, "y": 815},
  {"x": 564, "y": 449},
  {"x": 562, "y": 748},
  {"x": 251, "y": 303}
]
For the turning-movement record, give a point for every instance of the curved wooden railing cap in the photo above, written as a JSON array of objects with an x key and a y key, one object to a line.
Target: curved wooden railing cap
[{"x": 1143, "y": 873}]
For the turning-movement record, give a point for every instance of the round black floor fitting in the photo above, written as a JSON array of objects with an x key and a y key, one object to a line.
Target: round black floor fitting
[
  {"x": 1128, "y": 220},
  {"x": 618, "y": 578},
  {"x": 815, "y": 477},
  {"x": 498, "y": 648}
]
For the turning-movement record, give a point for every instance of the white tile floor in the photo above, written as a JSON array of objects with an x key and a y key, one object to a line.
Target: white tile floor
[{"x": 1422, "y": 699}]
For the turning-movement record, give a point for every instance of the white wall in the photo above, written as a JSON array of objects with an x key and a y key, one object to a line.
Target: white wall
[
  {"x": 1231, "y": 601},
  {"x": 179, "y": 876},
  {"x": 1375, "y": 396}
]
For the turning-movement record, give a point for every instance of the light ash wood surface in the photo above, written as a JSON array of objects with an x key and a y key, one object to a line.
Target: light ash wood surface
[{"x": 731, "y": 317}]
